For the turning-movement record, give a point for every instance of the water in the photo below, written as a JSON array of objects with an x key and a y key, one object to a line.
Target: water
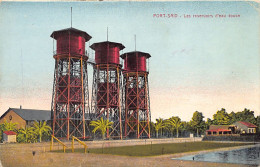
[{"x": 250, "y": 156}]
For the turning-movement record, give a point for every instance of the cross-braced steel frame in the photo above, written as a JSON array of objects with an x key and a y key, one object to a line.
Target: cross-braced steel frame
[
  {"x": 137, "y": 105},
  {"x": 106, "y": 99},
  {"x": 70, "y": 96}
]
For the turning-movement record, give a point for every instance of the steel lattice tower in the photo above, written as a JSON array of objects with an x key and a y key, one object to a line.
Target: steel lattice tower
[
  {"x": 136, "y": 95},
  {"x": 106, "y": 100},
  {"x": 70, "y": 88}
]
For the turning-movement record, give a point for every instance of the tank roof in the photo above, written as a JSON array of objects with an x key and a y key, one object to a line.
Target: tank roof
[
  {"x": 82, "y": 33},
  {"x": 147, "y": 55},
  {"x": 94, "y": 45}
]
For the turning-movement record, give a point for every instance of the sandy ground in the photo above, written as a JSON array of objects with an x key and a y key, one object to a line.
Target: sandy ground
[{"x": 16, "y": 155}]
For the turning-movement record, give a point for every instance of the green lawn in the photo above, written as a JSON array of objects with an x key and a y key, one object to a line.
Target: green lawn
[{"x": 159, "y": 149}]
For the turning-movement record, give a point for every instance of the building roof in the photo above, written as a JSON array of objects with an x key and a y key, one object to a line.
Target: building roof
[
  {"x": 73, "y": 30},
  {"x": 30, "y": 114},
  {"x": 220, "y": 127},
  {"x": 106, "y": 43},
  {"x": 249, "y": 125},
  {"x": 9, "y": 133},
  {"x": 223, "y": 130},
  {"x": 147, "y": 55}
]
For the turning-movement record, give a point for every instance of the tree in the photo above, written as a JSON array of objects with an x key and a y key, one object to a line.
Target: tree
[
  {"x": 7, "y": 126},
  {"x": 258, "y": 122},
  {"x": 233, "y": 117},
  {"x": 170, "y": 129},
  {"x": 208, "y": 123},
  {"x": 185, "y": 127},
  {"x": 175, "y": 123},
  {"x": 158, "y": 125},
  {"x": 21, "y": 138},
  {"x": 197, "y": 122},
  {"x": 152, "y": 129},
  {"x": 40, "y": 128},
  {"x": 28, "y": 134},
  {"x": 1, "y": 131},
  {"x": 221, "y": 117},
  {"x": 101, "y": 125},
  {"x": 245, "y": 115}
]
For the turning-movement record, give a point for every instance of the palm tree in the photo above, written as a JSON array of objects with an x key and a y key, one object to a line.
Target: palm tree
[
  {"x": 101, "y": 125},
  {"x": 158, "y": 125},
  {"x": 9, "y": 126},
  {"x": 40, "y": 128},
  {"x": 175, "y": 123},
  {"x": 29, "y": 134}
]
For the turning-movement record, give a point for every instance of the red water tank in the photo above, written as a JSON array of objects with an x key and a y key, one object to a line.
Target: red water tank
[
  {"x": 71, "y": 41},
  {"x": 135, "y": 61},
  {"x": 107, "y": 52}
]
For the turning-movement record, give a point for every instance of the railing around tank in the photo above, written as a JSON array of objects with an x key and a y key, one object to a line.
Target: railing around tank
[{"x": 67, "y": 52}]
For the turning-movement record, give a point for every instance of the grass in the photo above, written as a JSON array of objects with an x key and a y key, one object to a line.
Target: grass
[{"x": 159, "y": 149}]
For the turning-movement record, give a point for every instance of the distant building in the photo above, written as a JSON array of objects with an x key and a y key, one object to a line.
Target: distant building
[
  {"x": 245, "y": 127},
  {"x": 24, "y": 117},
  {"x": 9, "y": 137},
  {"x": 239, "y": 127},
  {"x": 220, "y": 130}
]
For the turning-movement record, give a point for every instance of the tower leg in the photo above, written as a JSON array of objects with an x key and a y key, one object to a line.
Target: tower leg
[
  {"x": 70, "y": 98},
  {"x": 106, "y": 97},
  {"x": 137, "y": 111}
]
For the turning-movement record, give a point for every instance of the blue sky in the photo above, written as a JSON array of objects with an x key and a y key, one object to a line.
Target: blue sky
[{"x": 202, "y": 64}]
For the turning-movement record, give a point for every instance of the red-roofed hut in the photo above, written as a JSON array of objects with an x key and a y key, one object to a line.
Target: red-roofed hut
[{"x": 9, "y": 137}]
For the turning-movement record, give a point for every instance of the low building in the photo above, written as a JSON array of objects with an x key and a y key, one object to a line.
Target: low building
[
  {"x": 245, "y": 127},
  {"x": 9, "y": 137},
  {"x": 220, "y": 130},
  {"x": 239, "y": 127},
  {"x": 25, "y": 117}
]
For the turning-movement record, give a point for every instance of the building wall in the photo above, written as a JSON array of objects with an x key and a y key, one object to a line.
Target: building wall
[
  {"x": 5, "y": 137},
  {"x": 251, "y": 130},
  {"x": 241, "y": 127},
  {"x": 15, "y": 118},
  {"x": 244, "y": 128},
  {"x": 11, "y": 138}
]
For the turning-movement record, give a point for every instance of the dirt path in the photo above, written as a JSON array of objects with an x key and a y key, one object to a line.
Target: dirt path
[{"x": 16, "y": 155}]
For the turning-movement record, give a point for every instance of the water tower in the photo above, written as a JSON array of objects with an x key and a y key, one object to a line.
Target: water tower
[
  {"x": 106, "y": 100},
  {"x": 136, "y": 95},
  {"x": 70, "y": 88}
]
